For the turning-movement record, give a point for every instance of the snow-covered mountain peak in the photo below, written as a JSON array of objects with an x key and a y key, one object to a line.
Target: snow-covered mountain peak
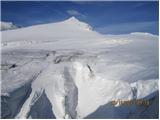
[
  {"x": 74, "y": 21},
  {"x": 7, "y": 26},
  {"x": 55, "y": 70}
]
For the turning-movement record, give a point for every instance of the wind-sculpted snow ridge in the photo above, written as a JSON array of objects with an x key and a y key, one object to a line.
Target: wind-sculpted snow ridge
[{"x": 62, "y": 70}]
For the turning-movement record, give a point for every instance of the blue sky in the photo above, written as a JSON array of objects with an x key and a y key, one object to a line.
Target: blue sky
[{"x": 105, "y": 17}]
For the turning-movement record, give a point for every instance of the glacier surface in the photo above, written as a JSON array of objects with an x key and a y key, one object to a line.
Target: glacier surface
[{"x": 68, "y": 70}]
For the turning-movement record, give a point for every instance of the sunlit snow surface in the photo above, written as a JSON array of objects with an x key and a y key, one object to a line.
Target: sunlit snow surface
[{"x": 67, "y": 70}]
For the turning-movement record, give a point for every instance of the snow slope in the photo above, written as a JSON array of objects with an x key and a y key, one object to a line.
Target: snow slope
[
  {"x": 71, "y": 71},
  {"x": 7, "y": 26}
]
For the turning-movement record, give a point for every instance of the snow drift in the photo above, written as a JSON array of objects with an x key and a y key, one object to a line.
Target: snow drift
[{"x": 71, "y": 71}]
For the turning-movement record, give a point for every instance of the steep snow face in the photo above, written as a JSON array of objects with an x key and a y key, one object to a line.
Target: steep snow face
[
  {"x": 7, "y": 26},
  {"x": 71, "y": 71}
]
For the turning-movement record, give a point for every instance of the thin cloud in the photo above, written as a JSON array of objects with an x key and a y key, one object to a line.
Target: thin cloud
[
  {"x": 129, "y": 27},
  {"x": 75, "y": 13}
]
